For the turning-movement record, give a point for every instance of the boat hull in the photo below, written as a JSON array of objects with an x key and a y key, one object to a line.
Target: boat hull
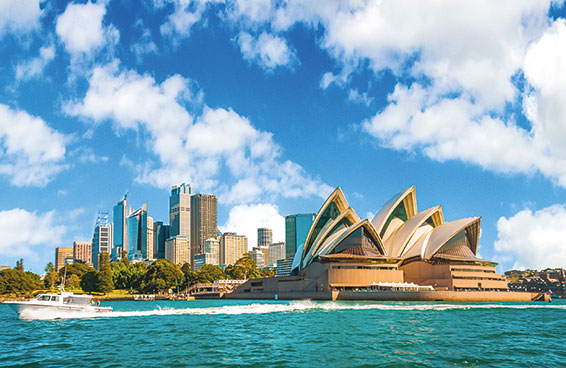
[{"x": 27, "y": 310}]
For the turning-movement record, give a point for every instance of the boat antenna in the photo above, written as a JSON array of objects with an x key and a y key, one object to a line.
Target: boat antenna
[{"x": 62, "y": 287}]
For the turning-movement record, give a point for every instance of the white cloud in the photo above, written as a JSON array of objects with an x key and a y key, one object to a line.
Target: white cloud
[
  {"x": 535, "y": 239},
  {"x": 34, "y": 67},
  {"x": 268, "y": 51},
  {"x": 22, "y": 231},
  {"x": 246, "y": 219},
  {"x": 186, "y": 14},
  {"x": 199, "y": 149},
  {"x": 81, "y": 30},
  {"x": 145, "y": 45},
  {"x": 32, "y": 152},
  {"x": 445, "y": 129},
  {"x": 355, "y": 96},
  {"x": 544, "y": 104},
  {"x": 19, "y": 16}
]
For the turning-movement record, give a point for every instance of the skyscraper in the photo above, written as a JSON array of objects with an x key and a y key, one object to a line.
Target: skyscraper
[
  {"x": 177, "y": 249},
  {"x": 203, "y": 221},
  {"x": 120, "y": 213},
  {"x": 63, "y": 256},
  {"x": 140, "y": 235},
  {"x": 102, "y": 238},
  {"x": 232, "y": 247},
  {"x": 160, "y": 235},
  {"x": 276, "y": 252},
  {"x": 258, "y": 257},
  {"x": 82, "y": 252},
  {"x": 180, "y": 210},
  {"x": 264, "y": 237},
  {"x": 296, "y": 231}
]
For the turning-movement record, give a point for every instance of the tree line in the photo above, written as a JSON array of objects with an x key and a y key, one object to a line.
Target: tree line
[{"x": 158, "y": 277}]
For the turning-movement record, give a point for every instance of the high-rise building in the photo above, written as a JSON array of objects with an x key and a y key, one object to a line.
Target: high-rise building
[
  {"x": 276, "y": 252},
  {"x": 258, "y": 257},
  {"x": 63, "y": 256},
  {"x": 284, "y": 267},
  {"x": 211, "y": 254},
  {"x": 203, "y": 221},
  {"x": 232, "y": 248},
  {"x": 160, "y": 235},
  {"x": 120, "y": 212},
  {"x": 82, "y": 252},
  {"x": 140, "y": 235},
  {"x": 296, "y": 231},
  {"x": 102, "y": 238},
  {"x": 264, "y": 237},
  {"x": 180, "y": 210},
  {"x": 177, "y": 250}
]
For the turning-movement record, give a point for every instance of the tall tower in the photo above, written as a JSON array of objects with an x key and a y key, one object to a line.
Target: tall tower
[
  {"x": 203, "y": 221},
  {"x": 102, "y": 237},
  {"x": 264, "y": 237},
  {"x": 140, "y": 235},
  {"x": 296, "y": 231},
  {"x": 120, "y": 213},
  {"x": 180, "y": 210}
]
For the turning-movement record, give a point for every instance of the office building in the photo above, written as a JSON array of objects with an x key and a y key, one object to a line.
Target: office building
[
  {"x": 202, "y": 259},
  {"x": 211, "y": 254},
  {"x": 102, "y": 238},
  {"x": 232, "y": 248},
  {"x": 160, "y": 234},
  {"x": 177, "y": 250},
  {"x": 264, "y": 237},
  {"x": 276, "y": 252},
  {"x": 258, "y": 257},
  {"x": 180, "y": 210},
  {"x": 63, "y": 256},
  {"x": 203, "y": 221},
  {"x": 120, "y": 231},
  {"x": 296, "y": 230},
  {"x": 284, "y": 267},
  {"x": 140, "y": 235},
  {"x": 82, "y": 252}
]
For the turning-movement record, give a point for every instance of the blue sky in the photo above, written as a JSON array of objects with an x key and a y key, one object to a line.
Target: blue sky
[{"x": 272, "y": 104}]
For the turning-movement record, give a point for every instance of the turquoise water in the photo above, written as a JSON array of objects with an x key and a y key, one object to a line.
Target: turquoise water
[{"x": 292, "y": 334}]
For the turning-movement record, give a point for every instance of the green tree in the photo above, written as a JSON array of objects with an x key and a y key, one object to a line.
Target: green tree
[
  {"x": 243, "y": 269},
  {"x": 51, "y": 279},
  {"x": 162, "y": 275},
  {"x": 89, "y": 281},
  {"x": 104, "y": 276},
  {"x": 209, "y": 273},
  {"x": 17, "y": 282},
  {"x": 72, "y": 282},
  {"x": 190, "y": 275},
  {"x": 78, "y": 269},
  {"x": 19, "y": 264},
  {"x": 49, "y": 268},
  {"x": 127, "y": 277}
]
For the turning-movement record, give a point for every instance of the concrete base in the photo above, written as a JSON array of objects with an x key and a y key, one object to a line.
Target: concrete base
[{"x": 445, "y": 296}]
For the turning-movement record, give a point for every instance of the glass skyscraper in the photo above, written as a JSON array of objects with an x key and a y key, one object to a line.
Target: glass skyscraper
[
  {"x": 296, "y": 231},
  {"x": 120, "y": 213}
]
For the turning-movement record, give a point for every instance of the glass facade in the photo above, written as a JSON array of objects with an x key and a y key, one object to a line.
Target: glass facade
[
  {"x": 134, "y": 240},
  {"x": 400, "y": 212},
  {"x": 296, "y": 231}
]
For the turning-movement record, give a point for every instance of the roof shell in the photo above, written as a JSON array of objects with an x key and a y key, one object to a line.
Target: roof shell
[{"x": 406, "y": 196}]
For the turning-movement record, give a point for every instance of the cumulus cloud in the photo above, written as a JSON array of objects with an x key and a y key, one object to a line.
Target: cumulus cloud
[
  {"x": 23, "y": 230},
  {"x": 267, "y": 51},
  {"x": 455, "y": 128},
  {"x": 19, "y": 16},
  {"x": 32, "y": 153},
  {"x": 34, "y": 67},
  {"x": 186, "y": 14},
  {"x": 535, "y": 239},
  {"x": 200, "y": 148},
  {"x": 81, "y": 30},
  {"x": 544, "y": 103},
  {"x": 246, "y": 219}
]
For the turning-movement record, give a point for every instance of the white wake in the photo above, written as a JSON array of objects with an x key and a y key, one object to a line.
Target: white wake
[{"x": 292, "y": 307}]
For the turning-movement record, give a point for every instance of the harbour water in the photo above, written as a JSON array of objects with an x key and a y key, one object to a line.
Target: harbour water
[{"x": 230, "y": 333}]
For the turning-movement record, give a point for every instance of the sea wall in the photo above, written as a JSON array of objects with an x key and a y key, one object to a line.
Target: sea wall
[{"x": 436, "y": 295}]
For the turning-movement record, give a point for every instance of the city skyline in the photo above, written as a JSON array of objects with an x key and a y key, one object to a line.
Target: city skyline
[{"x": 272, "y": 105}]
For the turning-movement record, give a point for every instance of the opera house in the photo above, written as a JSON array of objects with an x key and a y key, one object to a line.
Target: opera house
[{"x": 401, "y": 254}]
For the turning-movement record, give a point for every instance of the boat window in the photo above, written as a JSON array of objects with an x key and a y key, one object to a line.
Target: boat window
[
  {"x": 66, "y": 300},
  {"x": 54, "y": 298},
  {"x": 43, "y": 298}
]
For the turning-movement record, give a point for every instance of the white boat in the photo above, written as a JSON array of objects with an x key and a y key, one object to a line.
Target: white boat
[{"x": 61, "y": 305}]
